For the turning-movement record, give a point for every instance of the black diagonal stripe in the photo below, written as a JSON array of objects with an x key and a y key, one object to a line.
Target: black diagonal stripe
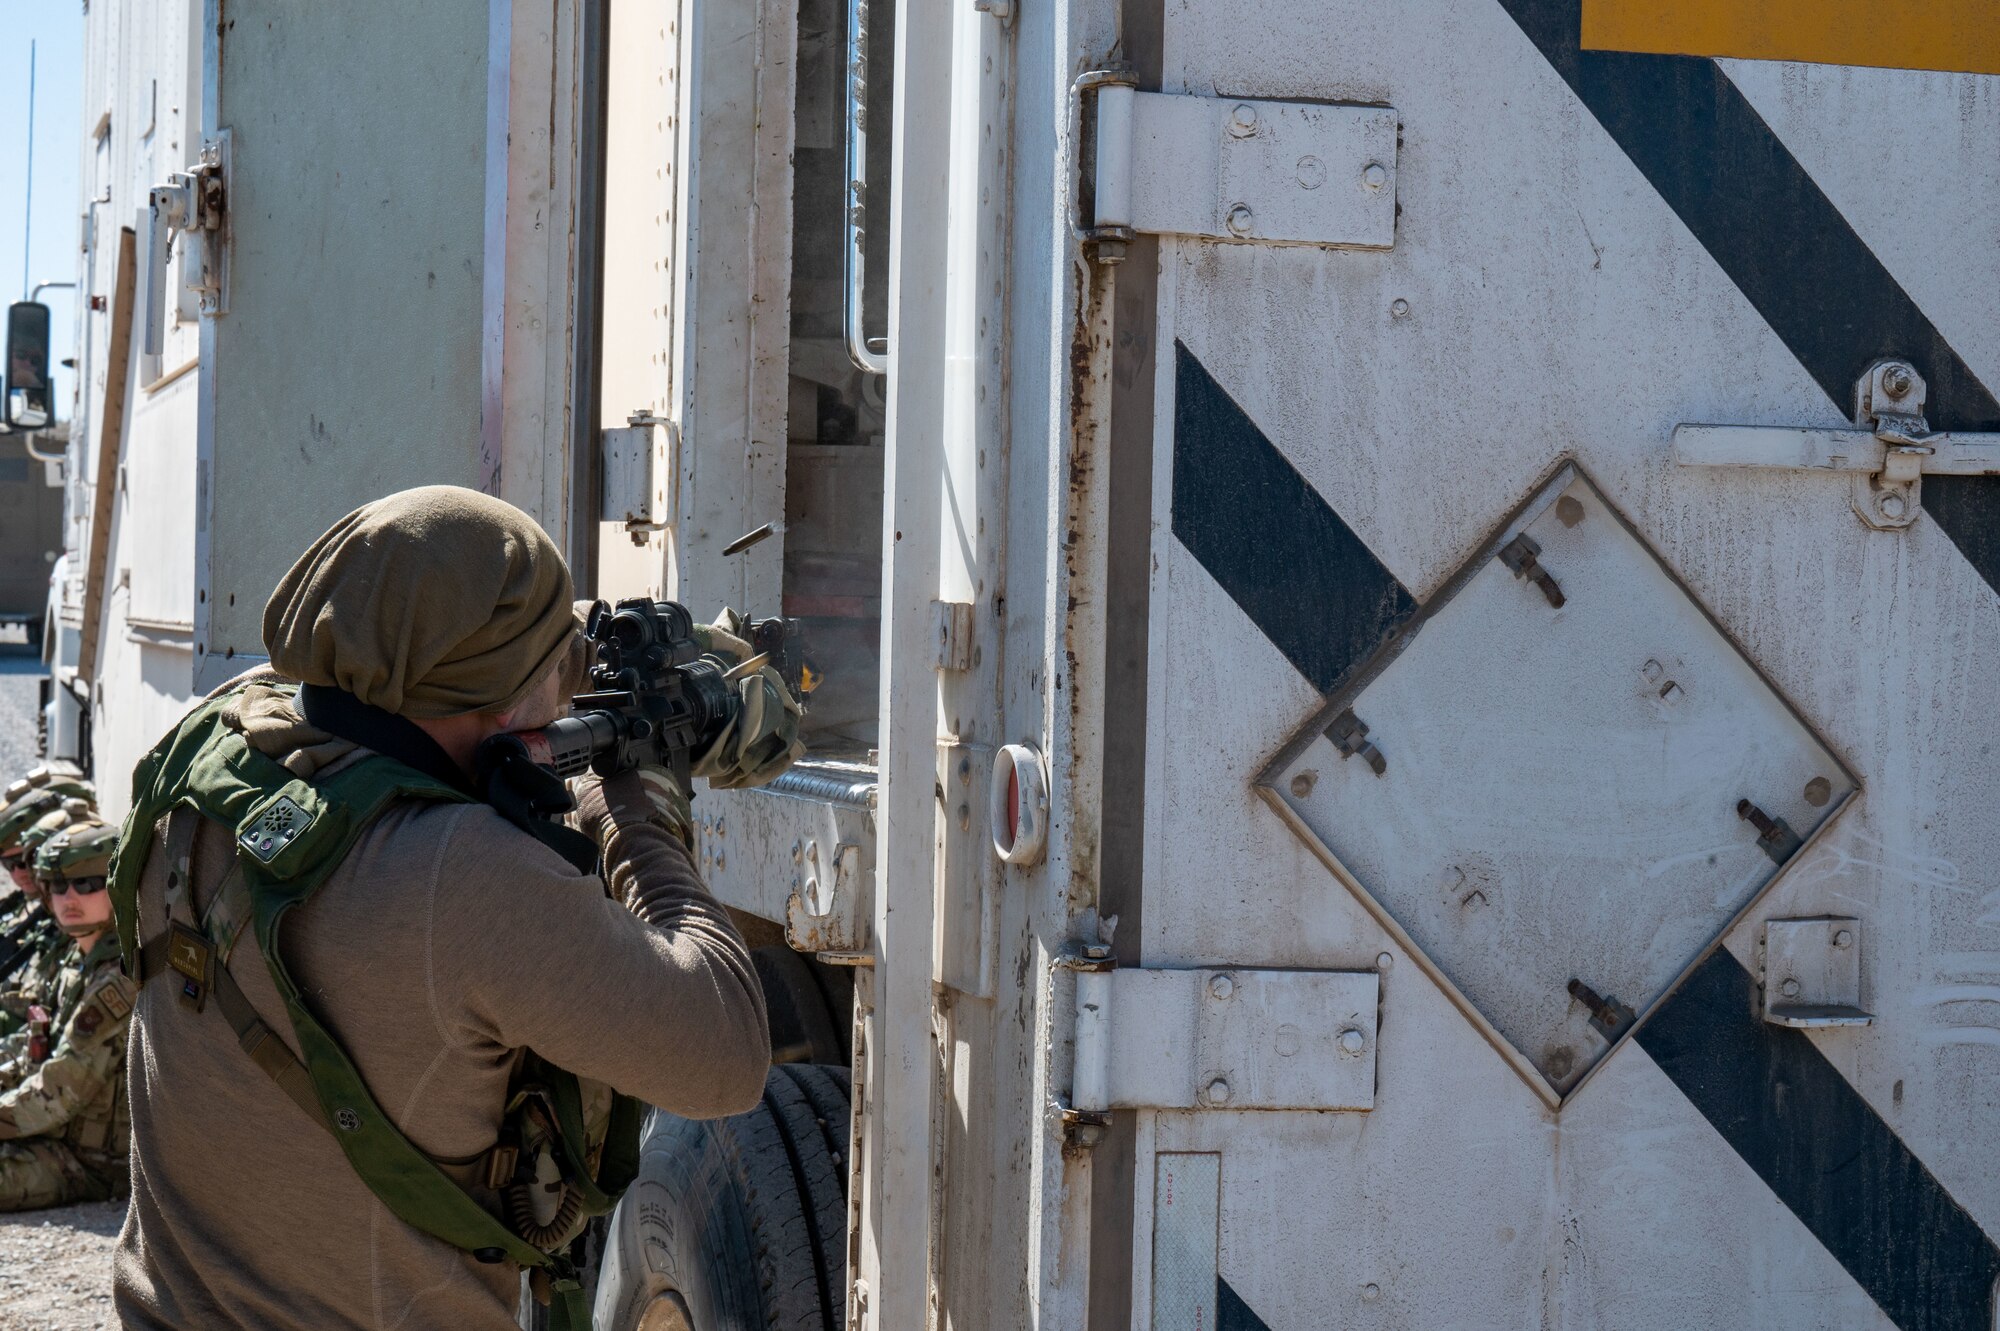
[
  {"x": 1826, "y": 1154},
  {"x": 1750, "y": 203},
  {"x": 1264, "y": 533},
  {"x": 1232, "y": 1313}
]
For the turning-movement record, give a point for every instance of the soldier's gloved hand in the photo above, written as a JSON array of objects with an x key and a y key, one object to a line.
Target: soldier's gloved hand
[
  {"x": 644, "y": 795},
  {"x": 761, "y": 742},
  {"x": 726, "y": 639}
]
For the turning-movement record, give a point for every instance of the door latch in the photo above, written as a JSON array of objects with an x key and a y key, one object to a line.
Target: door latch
[
  {"x": 192, "y": 205},
  {"x": 1888, "y": 452}
]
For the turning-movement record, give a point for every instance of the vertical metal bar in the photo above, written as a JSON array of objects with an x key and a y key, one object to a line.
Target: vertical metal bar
[
  {"x": 28, "y": 225},
  {"x": 586, "y": 370},
  {"x": 896, "y": 1235},
  {"x": 853, "y": 254}
]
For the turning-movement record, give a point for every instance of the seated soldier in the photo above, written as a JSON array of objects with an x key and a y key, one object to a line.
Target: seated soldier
[
  {"x": 64, "y": 1129},
  {"x": 20, "y": 808},
  {"x": 28, "y": 968}
]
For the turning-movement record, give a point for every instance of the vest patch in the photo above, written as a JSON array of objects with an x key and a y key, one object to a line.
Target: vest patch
[{"x": 114, "y": 1000}]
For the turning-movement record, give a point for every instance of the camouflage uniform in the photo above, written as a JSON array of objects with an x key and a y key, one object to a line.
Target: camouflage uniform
[
  {"x": 33, "y": 981},
  {"x": 64, "y": 1127}
]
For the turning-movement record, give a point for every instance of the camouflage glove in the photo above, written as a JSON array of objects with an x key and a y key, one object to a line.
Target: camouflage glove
[
  {"x": 764, "y": 739},
  {"x": 645, "y": 795},
  {"x": 761, "y": 742},
  {"x": 725, "y": 639}
]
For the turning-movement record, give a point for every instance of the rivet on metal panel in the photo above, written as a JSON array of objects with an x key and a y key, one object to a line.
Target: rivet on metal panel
[
  {"x": 1370, "y": 1292},
  {"x": 1349, "y": 734},
  {"x": 1383, "y": 961},
  {"x": 1240, "y": 220},
  {"x": 1522, "y": 555},
  {"x": 1773, "y": 834},
  {"x": 1302, "y": 784},
  {"x": 1399, "y": 307}
]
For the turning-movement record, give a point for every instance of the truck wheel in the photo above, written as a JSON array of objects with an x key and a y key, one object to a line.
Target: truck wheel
[
  {"x": 808, "y": 1004},
  {"x": 737, "y": 1224}
]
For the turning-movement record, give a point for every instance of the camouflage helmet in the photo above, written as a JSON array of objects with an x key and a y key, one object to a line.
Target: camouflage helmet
[
  {"x": 50, "y": 823},
  {"x": 24, "y": 813},
  {"x": 81, "y": 850},
  {"x": 59, "y": 771}
]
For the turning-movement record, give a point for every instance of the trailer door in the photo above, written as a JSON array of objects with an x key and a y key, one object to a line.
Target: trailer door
[
  {"x": 1648, "y": 766},
  {"x": 380, "y": 213}
]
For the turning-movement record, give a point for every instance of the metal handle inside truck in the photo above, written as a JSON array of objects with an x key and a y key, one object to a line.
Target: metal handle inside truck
[{"x": 871, "y": 354}]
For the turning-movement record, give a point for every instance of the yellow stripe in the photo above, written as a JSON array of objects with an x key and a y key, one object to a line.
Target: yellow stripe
[{"x": 1953, "y": 35}]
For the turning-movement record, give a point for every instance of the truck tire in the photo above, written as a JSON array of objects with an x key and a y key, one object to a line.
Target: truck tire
[
  {"x": 737, "y": 1224},
  {"x": 804, "y": 1027}
]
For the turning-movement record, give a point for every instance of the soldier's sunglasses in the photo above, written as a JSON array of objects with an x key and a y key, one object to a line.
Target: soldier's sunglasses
[
  {"x": 12, "y": 862},
  {"x": 87, "y": 887}
]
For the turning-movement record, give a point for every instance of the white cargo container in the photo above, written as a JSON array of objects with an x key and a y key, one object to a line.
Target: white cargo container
[{"x": 1404, "y": 592}]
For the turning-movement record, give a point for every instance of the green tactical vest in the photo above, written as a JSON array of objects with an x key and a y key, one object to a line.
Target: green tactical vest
[{"x": 290, "y": 836}]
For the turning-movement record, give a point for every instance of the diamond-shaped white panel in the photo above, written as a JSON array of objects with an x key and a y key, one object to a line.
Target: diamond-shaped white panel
[{"x": 1582, "y": 784}]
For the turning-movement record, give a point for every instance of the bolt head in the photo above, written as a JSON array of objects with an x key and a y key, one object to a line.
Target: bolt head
[
  {"x": 1845, "y": 938},
  {"x": 1240, "y": 220},
  {"x": 1352, "y": 1041},
  {"x": 1221, "y": 986},
  {"x": 1243, "y": 120},
  {"x": 1897, "y": 380},
  {"x": 1383, "y": 961},
  {"x": 1375, "y": 175},
  {"x": 1891, "y": 505},
  {"x": 1790, "y": 988},
  {"x": 1218, "y": 1092}
]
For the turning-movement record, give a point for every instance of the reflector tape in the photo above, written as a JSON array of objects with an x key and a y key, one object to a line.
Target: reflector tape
[{"x": 1955, "y": 35}]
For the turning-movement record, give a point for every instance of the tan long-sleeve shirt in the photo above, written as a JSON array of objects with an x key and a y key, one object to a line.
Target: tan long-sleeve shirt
[{"x": 445, "y": 943}]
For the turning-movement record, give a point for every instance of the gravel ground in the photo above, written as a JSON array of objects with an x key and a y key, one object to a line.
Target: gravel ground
[
  {"x": 20, "y": 698},
  {"x": 55, "y": 1268}
]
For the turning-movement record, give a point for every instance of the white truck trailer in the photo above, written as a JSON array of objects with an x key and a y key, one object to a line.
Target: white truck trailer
[{"x": 1406, "y": 591}]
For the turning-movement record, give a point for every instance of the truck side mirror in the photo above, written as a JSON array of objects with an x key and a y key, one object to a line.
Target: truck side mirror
[{"x": 28, "y": 393}]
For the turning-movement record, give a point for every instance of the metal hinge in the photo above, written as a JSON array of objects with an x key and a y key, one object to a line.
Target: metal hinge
[
  {"x": 638, "y": 474},
  {"x": 1237, "y": 169},
  {"x": 1222, "y": 1038},
  {"x": 193, "y": 204},
  {"x": 1888, "y": 453}
]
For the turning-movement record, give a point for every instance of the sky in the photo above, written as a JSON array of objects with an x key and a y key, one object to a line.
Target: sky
[{"x": 51, "y": 253}]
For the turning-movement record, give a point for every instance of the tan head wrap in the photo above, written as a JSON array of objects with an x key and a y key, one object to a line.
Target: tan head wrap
[{"x": 434, "y": 602}]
